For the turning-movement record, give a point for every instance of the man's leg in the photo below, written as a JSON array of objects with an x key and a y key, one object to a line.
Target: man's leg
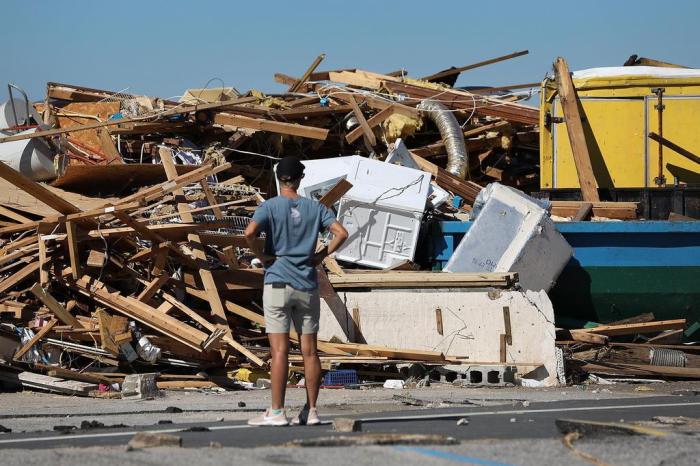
[
  {"x": 279, "y": 348},
  {"x": 312, "y": 368}
]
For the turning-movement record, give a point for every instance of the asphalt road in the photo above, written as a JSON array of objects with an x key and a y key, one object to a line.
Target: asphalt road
[{"x": 535, "y": 421}]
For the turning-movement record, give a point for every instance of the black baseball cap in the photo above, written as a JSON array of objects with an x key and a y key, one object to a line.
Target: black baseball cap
[{"x": 290, "y": 168}]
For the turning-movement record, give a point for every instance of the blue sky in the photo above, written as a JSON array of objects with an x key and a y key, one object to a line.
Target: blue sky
[{"x": 163, "y": 47}]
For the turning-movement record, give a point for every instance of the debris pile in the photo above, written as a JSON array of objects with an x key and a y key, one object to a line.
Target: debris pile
[{"x": 121, "y": 221}]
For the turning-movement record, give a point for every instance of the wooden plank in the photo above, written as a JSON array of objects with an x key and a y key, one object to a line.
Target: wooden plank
[
  {"x": 375, "y": 120},
  {"x": 107, "y": 342},
  {"x": 642, "y": 369},
  {"x": 108, "y": 147},
  {"x": 674, "y": 147},
  {"x": 152, "y": 288},
  {"x": 54, "y": 306},
  {"x": 588, "y": 337},
  {"x": 297, "y": 85},
  {"x": 19, "y": 276},
  {"x": 438, "y": 321},
  {"x": 633, "y": 329},
  {"x": 73, "y": 252},
  {"x": 584, "y": 212},
  {"x": 453, "y": 71},
  {"x": 33, "y": 341},
  {"x": 615, "y": 210},
  {"x": 43, "y": 262},
  {"x": 506, "y": 324},
  {"x": 369, "y": 136},
  {"x": 574, "y": 128},
  {"x": 9, "y": 213},
  {"x": 211, "y": 199},
  {"x": 335, "y": 304},
  {"x": 408, "y": 279},
  {"x": 335, "y": 193},
  {"x": 259, "y": 124},
  {"x": 37, "y": 191}
]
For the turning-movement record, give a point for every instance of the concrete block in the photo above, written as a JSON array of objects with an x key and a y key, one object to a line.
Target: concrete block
[
  {"x": 140, "y": 386},
  {"x": 483, "y": 375},
  {"x": 472, "y": 323},
  {"x": 151, "y": 440},
  {"x": 343, "y": 424}
]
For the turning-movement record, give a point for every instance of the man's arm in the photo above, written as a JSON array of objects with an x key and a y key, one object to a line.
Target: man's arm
[
  {"x": 340, "y": 234},
  {"x": 251, "y": 237}
]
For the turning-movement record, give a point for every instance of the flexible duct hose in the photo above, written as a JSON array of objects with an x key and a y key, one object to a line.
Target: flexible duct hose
[{"x": 451, "y": 133}]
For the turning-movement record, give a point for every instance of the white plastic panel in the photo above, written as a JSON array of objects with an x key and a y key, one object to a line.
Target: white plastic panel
[{"x": 379, "y": 236}]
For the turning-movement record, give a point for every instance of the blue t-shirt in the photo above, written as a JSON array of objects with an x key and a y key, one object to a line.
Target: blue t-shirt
[{"x": 291, "y": 227}]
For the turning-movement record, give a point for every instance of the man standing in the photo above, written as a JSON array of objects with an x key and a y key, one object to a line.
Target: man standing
[{"x": 291, "y": 224}]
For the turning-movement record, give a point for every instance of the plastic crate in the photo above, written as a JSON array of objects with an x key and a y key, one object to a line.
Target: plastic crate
[{"x": 340, "y": 377}]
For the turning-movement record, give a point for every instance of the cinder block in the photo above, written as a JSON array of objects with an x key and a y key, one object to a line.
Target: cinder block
[
  {"x": 140, "y": 386},
  {"x": 483, "y": 375}
]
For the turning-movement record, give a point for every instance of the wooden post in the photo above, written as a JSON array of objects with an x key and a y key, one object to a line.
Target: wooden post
[{"x": 574, "y": 128}]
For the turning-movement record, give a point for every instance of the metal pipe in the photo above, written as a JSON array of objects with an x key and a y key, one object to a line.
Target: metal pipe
[
  {"x": 660, "y": 180},
  {"x": 451, "y": 133}
]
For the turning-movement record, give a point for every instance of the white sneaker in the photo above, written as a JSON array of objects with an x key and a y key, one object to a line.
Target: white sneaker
[
  {"x": 307, "y": 417},
  {"x": 269, "y": 419}
]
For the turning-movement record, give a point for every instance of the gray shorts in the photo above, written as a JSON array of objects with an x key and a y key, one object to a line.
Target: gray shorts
[{"x": 283, "y": 306}]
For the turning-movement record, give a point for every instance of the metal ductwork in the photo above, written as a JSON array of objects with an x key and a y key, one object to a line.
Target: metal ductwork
[{"x": 451, "y": 133}]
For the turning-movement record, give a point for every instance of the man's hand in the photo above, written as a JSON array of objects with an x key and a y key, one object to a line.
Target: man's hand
[{"x": 266, "y": 259}]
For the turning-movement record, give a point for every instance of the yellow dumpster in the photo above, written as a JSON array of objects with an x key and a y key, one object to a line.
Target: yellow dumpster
[{"x": 620, "y": 108}]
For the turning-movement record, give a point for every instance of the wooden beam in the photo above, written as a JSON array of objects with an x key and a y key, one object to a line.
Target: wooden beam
[
  {"x": 73, "y": 252},
  {"x": 335, "y": 193},
  {"x": 297, "y": 85},
  {"x": 33, "y": 341},
  {"x": 574, "y": 128},
  {"x": 369, "y": 136},
  {"x": 260, "y": 124},
  {"x": 152, "y": 288},
  {"x": 54, "y": 306},
  {"x": 372, "y": 122},
  {"x": 36, "y": 190},
  {"x": 421, "y": 280},
  {"x": 453, "y": 71},
  {"x": 633, "y": 329},
  {"x": 674, "y": 147},
  {"x": 19, "y": 276}
]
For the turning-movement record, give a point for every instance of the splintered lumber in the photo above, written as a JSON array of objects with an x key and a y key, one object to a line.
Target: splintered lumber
[
  {"x": 401, "y": 279},
  {"x": 261, "y": 124},
  {"x": 59, "y": 311},
  {"x": 574, "y": 128},
  {"x": 453, "y": 71},
  {"x": 633, "y": 329},
  {"x": 141, "y": 312},
  {"x": 33, "y": 341}
]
